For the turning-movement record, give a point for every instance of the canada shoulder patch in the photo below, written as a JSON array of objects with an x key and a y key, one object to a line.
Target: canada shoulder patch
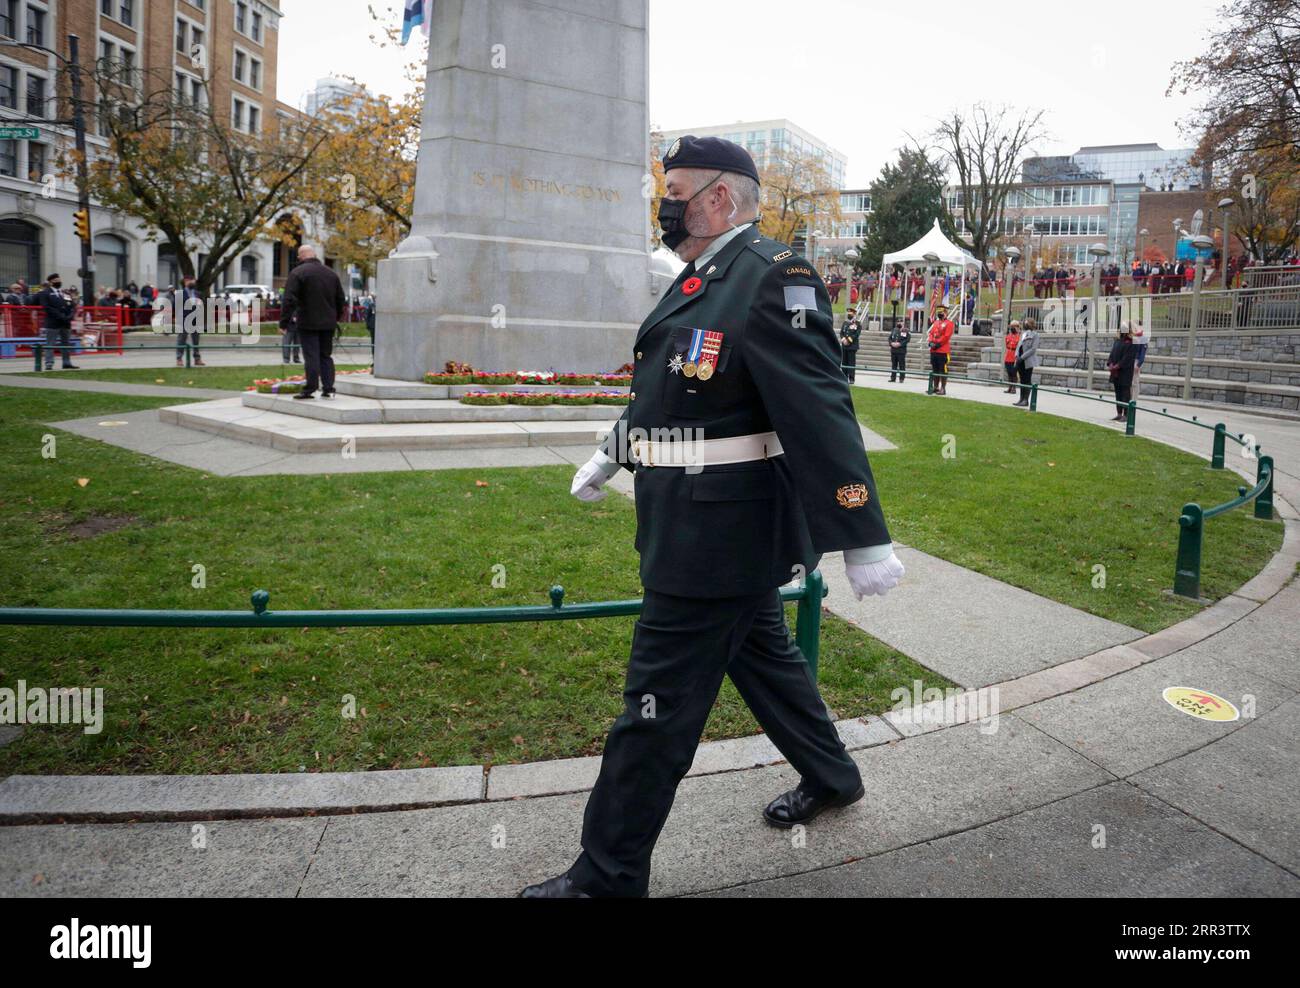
[
  {"x": 853, "y": 496},
  {"x": 799, "y": 269}
]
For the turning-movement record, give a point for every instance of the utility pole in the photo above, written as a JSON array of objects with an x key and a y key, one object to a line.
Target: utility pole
[{"x": 87, "y": 271}]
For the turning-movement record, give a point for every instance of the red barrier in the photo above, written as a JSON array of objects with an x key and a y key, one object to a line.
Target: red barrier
[
  {"x": 102, "y": 327},
  {"x": 95, "y": 329}
]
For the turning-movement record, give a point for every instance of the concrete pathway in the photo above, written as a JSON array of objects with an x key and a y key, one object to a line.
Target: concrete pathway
[
  {"x": 1083, "y": 781},
  {"x": 355, "y": 350}
]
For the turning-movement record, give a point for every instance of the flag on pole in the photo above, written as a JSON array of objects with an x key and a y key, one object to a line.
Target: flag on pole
[{"x": 416, "y": 12}]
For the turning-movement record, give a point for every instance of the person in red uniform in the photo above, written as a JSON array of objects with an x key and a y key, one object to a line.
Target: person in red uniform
[
  {"x": 1009, "y": 354},
  {"x": 940, "y": 348}
]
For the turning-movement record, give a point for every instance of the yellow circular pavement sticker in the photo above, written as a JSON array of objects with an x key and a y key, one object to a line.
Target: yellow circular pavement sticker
[{"x": 1200, "y": 704}]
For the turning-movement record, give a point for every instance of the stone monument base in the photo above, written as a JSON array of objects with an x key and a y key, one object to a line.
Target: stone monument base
[{"x": 428, "y": 318}]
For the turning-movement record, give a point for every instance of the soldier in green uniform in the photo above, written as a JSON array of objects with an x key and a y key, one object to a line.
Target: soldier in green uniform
[
  {"x": 850, "y": 333},
  {"x": 748, "y": 465}
]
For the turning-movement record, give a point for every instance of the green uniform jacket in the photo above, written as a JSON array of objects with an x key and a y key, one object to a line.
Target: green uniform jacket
[
  {"x": 745, "y": 528},
  {"x": 851, "y": 331}
]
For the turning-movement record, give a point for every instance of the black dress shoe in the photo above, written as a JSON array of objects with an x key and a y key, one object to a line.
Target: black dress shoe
[
  {"x": 800, "y": 806},
  {"x": 303, "y": 396},
  {"x": 559, "y": 887},
  {"x": 327, "y": 394}
]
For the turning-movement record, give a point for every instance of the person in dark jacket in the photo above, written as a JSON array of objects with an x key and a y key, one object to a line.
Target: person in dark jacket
[
  {"x": 850, "y": 334},
  {"x": 59, "y": 310},
  {"x": 368, "y": 308},
  {"x": 314, "y": 303},
  {"x": 1120, "y": 363},
  {"x": 899, "y": 337},
  {"x": 189, "y": 314}
]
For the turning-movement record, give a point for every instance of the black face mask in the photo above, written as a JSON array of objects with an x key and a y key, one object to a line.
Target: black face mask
[{"x": 672, "y": 217}]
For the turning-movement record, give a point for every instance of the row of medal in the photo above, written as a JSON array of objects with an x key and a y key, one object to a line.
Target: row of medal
[{"x": 701, "y": 357}]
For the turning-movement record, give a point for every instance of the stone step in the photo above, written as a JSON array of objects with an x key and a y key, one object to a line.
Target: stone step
[
  {"x": 369, "y": 386},
  {"x": 231, "y": 418},
  {"x": 351, "y": 410},
  {"x": 1250, "y": 394},
  {"x": 1286, "y": 375}
]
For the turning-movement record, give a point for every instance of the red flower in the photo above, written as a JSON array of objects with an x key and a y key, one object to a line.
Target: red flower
[{"x": 691, "y": 285}]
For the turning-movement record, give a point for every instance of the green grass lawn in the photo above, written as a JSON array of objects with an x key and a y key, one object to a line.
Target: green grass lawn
[
  {"x": 219, "y": 378},
  {"x": 1038, "y": 501},
  {"x": 249, "y": 700},
  {"x": 1030, "y": 499}
]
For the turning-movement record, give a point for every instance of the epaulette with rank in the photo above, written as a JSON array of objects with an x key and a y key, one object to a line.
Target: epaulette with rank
[{"x": 770, "y": 250}]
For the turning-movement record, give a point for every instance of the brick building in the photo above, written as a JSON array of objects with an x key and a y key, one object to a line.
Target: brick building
[{"x": 230, "y": 44}]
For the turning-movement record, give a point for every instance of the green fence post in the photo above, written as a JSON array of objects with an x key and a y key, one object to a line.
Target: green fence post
[
  {"x": 808, "y": 620},
  {"x": 1220, "y": 435},
  {"x": 37, "y": 349},
  {"x": 1131, "y": 417},
  {"x": 1033, "y": 397},
  {"x": 929, "y": 385},
  {"x": 1187, "y": 570},
  {"x": 187, "y": 355},
  {"x": 1264, "y": 503}
]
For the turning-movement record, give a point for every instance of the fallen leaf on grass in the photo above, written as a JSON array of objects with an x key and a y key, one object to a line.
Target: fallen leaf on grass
[{"x": 83, "y": 481}]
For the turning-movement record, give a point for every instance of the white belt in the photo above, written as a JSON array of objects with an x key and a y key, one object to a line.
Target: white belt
[{"x": 706, "y": 452}]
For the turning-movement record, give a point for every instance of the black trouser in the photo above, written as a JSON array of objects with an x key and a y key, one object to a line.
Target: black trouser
[
  {"x": 62, "y": 336},
  {"x": 1026, "y": 379},
  {"x": 288, "y": 345},
  {"x": 850, "y": 360},
  {"x": 939, "y": 365},
  {"x": 897, "y": 363},
  {"x": 681, "y": 648},
  {"x": 317, "y": 346},
  {"x": 1123, "y": 392}
]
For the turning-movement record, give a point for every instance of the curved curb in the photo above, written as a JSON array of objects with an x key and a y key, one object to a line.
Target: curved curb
[{"x": 45, "y": 799}]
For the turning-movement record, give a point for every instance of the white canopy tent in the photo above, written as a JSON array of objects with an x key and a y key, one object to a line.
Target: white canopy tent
[{"x": 932, "y": 250}]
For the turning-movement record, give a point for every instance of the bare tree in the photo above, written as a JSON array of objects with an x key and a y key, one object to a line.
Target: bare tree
[
  {"x": 176, "y": 162},
  {"x": 1251, "y": 78},
  {"x": 984, "y": 148}
]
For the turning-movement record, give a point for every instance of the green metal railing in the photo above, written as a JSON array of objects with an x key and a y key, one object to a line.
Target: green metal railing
[
  {"x": 1191, "y": 533},
  {"x": 1191, "y": 521},
  {"x": 807, "y": 636}
]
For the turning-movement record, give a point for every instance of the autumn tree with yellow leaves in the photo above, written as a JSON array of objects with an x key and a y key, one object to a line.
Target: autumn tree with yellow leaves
[{"x": 177, "y": 164}]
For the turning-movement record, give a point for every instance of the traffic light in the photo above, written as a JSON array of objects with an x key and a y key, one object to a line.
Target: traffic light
[{"x": 81, "y": 220}]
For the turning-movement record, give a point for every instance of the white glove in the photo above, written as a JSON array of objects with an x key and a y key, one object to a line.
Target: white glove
[
  {"x": 591, "y": 477},
  {"x": 874, "y": 578}
]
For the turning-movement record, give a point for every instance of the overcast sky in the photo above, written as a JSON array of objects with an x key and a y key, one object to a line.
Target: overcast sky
[{"x": 859, "y": 75}]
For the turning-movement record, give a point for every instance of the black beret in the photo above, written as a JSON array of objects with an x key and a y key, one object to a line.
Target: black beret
[{"x": 709, "y": 152}]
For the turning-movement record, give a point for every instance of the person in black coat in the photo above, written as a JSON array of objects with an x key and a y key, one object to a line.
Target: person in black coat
[
  {"x": 313, "y": 304},
  {"x": 899, "y": 337},
  {"x": 741, "y": 351},
  {"x": 1123, "y": 356},
  {"x": 59, "y": 310},
  {"x": 850, "y": 335}
]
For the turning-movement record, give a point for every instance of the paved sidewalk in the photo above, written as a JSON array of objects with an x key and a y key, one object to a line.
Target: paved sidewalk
[{"x": 356, "y": 350}]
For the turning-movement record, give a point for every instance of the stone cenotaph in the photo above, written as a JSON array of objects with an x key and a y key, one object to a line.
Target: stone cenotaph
[{"x": 529, "y": 244}]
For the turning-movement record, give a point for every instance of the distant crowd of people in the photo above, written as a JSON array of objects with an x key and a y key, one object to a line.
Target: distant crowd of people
[{"x": 53, "y": 308}]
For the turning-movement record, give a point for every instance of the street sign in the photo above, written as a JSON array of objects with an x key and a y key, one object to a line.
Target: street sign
[{"x": 20, "y": 133}]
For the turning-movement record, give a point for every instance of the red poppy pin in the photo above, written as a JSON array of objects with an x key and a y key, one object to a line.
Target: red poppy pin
[{"x": 691, "y": 285}]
